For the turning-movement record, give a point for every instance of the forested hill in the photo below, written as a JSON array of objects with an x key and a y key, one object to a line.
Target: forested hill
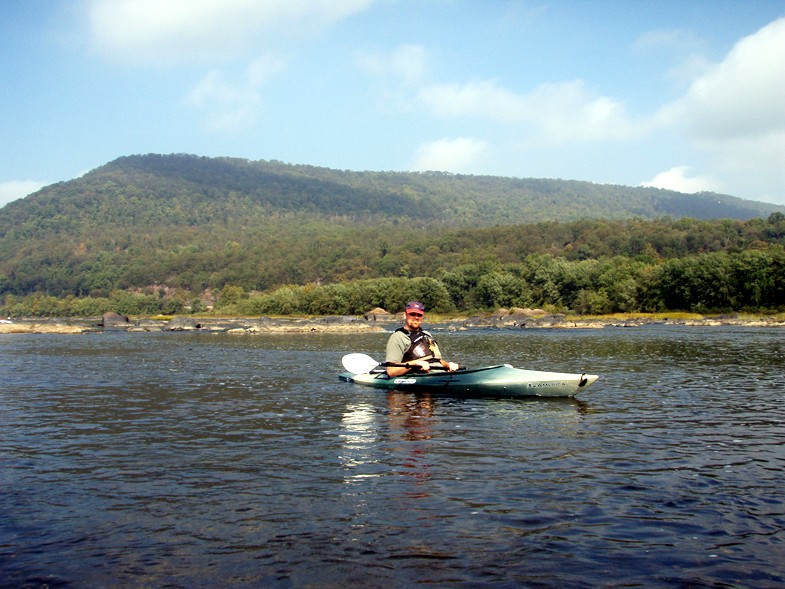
[
  {"x": 191, "y": 190},
  {"x": 195, "y": 224}
]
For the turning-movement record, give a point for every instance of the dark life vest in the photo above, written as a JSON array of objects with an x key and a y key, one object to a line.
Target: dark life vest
[{"x": 422, "y": 347}]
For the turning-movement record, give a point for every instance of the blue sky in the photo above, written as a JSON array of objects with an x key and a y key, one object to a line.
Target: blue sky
[{"x": 687, "y": 95}]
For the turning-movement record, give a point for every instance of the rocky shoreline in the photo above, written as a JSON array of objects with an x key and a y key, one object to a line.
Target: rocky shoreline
[
  {"x": 375, "y": 321},
  {"x": 534, "y": 319},
  {"x": 210, "y": 324}
]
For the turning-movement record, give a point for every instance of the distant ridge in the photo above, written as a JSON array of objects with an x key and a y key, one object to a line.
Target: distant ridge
[{"x": 453, "y": 199}]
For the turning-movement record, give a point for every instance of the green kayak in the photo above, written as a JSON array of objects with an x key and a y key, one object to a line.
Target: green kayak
[{"x": 502, "y": 380}]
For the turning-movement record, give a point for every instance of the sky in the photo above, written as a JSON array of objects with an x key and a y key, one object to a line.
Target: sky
[{"x": 683, "y": 95}]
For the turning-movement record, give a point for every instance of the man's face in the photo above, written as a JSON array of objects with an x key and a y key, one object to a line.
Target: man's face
[{"x": 413, "y": 320}]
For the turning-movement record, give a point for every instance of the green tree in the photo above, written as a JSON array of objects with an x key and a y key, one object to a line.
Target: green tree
[
  {"x": 502, "y": 289},
  {"x": 230, "y": 295}
]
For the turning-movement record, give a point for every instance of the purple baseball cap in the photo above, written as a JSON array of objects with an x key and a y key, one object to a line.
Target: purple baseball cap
[{"x": 415, "y": 306}]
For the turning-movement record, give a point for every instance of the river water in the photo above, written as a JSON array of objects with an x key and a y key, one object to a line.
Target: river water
[{"x": 204, "y": 460}]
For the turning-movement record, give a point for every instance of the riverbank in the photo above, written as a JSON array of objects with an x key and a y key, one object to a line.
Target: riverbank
[
  {"x": 240, "y": 325},
  {"x": 336, "y": 324}
]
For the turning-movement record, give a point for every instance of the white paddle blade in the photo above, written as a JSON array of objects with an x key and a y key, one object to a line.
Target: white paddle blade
[{"x": 358, "y": 363}]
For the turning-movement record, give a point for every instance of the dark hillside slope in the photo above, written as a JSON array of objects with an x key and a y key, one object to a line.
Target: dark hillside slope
[
  {"x": 184, "y": 190},
  {"x": 451, "y": 198}
]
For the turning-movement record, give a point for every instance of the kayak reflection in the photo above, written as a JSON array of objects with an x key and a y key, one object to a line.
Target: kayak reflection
[{"x": 411, "y": 422}]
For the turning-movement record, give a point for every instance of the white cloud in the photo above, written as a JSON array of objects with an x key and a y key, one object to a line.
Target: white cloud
[
  {"x": 16, "y": 189},
  {"x": 260, "y": 70},
  {"x": 569, "y": 111},
  {"x": 562, "y": 112},
  {"x": 744, "y": 95},
  {"x": 734, "y": 112},
  {"x": 683, "y": 45},
  {"x": 485, "y": 99},
  {"x": 676, "y": 179},
  {"x": 449, "y": 155},
  {"x": 167, "y": 31},
  {"x": 668, "y": 39},
  {"x": 753, "y": 166},
  {"x": 233, "y": 106},
  {"x": 689, "y": 69},
  {"x": 395, "y": 75},
  {"x": 405, "y": 65}
]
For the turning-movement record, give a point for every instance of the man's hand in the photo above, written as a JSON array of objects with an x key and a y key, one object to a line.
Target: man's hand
[{"x": 423, "y": 364}]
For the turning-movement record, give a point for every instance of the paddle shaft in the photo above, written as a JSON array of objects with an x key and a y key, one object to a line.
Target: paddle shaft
[
  {"x": 415, "y": 366},
  {"x": 357, "y": 363}
]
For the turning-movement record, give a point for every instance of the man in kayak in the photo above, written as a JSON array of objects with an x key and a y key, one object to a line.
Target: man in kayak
[{"x": 413, "y": 346}]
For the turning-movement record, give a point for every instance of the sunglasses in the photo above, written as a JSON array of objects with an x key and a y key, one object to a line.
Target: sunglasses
[{"x": 414, "y": 314}]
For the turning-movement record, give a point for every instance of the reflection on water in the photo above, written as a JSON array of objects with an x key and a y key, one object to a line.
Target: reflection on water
[
  {"x": 411, "y": 421},
  {"x": 408, "y": 419},
  {"x": 198, "y": 460}
]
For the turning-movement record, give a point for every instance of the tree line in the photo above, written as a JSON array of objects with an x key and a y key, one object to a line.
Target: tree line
[
  {"x": 302, "y": 249},
  {"x": 749, "y": 280}
]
